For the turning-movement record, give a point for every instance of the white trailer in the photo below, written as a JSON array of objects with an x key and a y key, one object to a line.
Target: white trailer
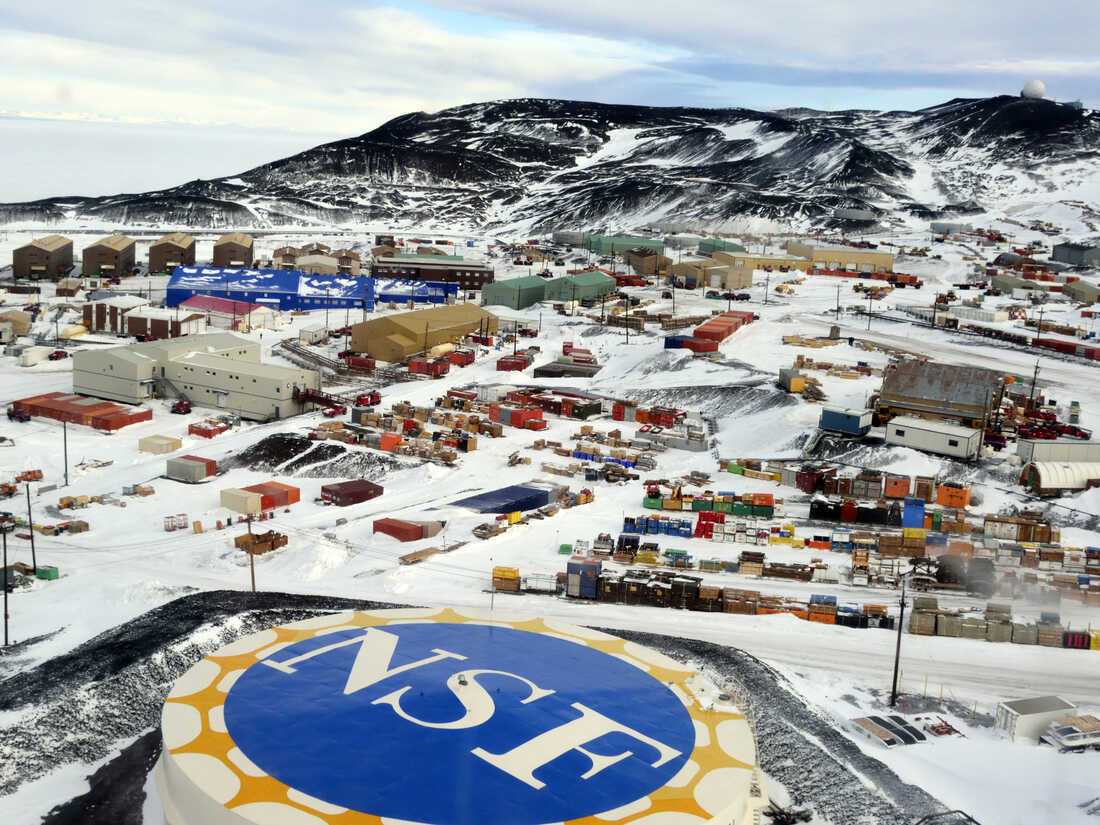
[
  {"x": 34, "y": 355},
  {"x": 1028, "y": 719},
  {"x": 933, "y": 436}
]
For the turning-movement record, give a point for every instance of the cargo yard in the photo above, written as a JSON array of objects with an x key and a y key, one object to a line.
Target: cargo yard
[{"x": 810, "y": 454}]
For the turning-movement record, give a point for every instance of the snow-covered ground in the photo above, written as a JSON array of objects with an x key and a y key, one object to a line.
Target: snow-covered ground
[{"x": 126, "y": 564}]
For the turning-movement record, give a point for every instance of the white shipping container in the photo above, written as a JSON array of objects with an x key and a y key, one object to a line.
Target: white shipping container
[{"x": 34, "y": 355}]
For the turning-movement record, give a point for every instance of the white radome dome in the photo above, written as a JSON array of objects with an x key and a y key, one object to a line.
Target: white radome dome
[{"x": 1034, "y": 89}]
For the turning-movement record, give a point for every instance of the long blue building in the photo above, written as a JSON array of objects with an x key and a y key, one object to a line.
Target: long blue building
[{"x": 293, "y": 290}]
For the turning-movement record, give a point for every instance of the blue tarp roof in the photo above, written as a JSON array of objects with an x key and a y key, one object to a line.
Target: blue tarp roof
[{"x": 507, "y": 499}]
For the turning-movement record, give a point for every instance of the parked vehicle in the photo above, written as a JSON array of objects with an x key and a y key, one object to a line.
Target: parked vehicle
[
  {"x": 714, "y": 293},
  {"x": 995, "y": 440},
  {"x": 332, "y": 412},
  {"x": 368, "y": 399},
  {"x": 742, "y": 296},
  {"x": 181, "y": 407},
  {"x": 58, "y": 355},
  {"x": 18, "y": 415}
]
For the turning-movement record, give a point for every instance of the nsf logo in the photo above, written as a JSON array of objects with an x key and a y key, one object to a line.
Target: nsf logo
[{"x": 459, "y": 724}]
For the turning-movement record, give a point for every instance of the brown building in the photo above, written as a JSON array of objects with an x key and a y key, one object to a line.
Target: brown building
[
  {"x": 233, "y": 249},
  {"x": 450, "y": 270},
  {"x": 49, "y": 257},
  {"x": 347, "y": 262},
  {"x": 285, "y": 257},
  {"x": 647, "y": 262},
  {"x": 108, "y": 314},
  {"x": 945, "y": 392},
  {"x": 394, "y": 338},
  {"x": 175, "y": 249},
  {"x": 112, "y": 257}
]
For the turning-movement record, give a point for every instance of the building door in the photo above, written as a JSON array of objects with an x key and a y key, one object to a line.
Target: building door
[{"x": 276, "y": 412}]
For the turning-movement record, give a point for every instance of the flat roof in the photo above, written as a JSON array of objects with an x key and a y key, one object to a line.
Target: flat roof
[
  {"x": 942, "y": 427},
  {"x": 1039, "y": 704}
]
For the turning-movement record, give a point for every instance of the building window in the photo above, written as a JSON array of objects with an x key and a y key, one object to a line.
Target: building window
[
  {"x": 951, "y": 442},
  {"x": 898, "y": 432}
]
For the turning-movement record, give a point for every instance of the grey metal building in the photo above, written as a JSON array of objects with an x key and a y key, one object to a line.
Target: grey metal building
[
  {"x": 218, "y": 370},
  {"x": 1076, "y": 254},
  {"x": 949, "y": 392}
]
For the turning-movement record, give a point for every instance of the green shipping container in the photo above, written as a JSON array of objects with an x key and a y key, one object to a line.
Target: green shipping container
[
  {"x": 736, "y": 469},
  {"x": 702, "y": 504},
  {"x": 565, "y": 550},
  {"x": 46, "y": 572},
  {"x": 740, "y": 509},
  {"x": 651, "y": 503},
  {"x": 724, "y": 506},
  {"x": 762, "y": 510},
  {"x": 937, "y": 520}
]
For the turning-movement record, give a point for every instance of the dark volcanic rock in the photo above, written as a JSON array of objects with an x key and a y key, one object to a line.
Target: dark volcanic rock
[{"x": 545, "y": 164}]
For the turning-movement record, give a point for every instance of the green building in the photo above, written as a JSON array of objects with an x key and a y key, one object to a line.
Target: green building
[
  {"x": 618, "y": 244},
  {"x": 515, "y": 293},
  {"x": 708, "y": 246},
  {"x": 580, "y": 286}
]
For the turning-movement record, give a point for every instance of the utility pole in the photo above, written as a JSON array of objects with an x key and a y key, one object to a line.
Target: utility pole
[
  {"x": 838, "y": 302},
  {"x": 30, "y": 522},
  {"x": 251, "y": 554},
  {"x": 6, "y": 527},
  {"x": 1034, "y": 381},
  {"x": 65, "y": 447},
  {"x": 897, "y": 646},
  {"x": 326, "y": 310},
  {"x": 767, "y": 283},
  {"x": 868, "y": 310}
]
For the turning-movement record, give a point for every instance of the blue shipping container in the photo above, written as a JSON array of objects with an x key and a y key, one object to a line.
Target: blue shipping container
[{"x": 849, "y": 422}]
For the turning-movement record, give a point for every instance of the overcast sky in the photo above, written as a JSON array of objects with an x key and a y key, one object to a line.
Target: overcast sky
[{"x": 144, "y": 94}]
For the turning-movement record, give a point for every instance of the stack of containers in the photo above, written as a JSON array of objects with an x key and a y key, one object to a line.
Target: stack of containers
[
  {"x": 582, "y": 575},
  {"x": 275, "y": 494}
]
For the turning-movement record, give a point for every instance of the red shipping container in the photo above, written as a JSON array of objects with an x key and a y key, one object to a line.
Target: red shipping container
[
  {"x": 465, "y": 395},
  {"x": 536, "y": 424},
  {"x": 762, "y": 500},
  {"x": 701, "y": 345},
  {"x": 360, "y": 362},
  {"x": 566, "y": 347},
  {"x": 461, "y": 357},
  {"x": 400, "y": 530},
  {"x": 293, "y": 494},
  {"x": 494, "y": 412}
]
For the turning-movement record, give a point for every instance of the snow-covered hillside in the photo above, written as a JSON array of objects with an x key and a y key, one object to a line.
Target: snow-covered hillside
[{"x": 539, "y": 164}]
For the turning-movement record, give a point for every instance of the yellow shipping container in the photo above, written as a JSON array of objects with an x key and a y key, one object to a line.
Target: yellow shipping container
[
  {"x": 798, "y": 384},
  {"x": 798, "y": 542},
  {"x": 513, "y": 518},
  {"x": 914, "y": 532},
  {"x": 505, "y": 572},
  {"x": 1094, "y": 642}
]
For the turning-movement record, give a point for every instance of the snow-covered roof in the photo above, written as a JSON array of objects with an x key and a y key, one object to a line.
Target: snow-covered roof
[
  {"x": 1039, "y": 704},
  {"x": 283, "y": 281},
  {"x": 1063, "y": 475},
  {"x": 941, "y": 427}
]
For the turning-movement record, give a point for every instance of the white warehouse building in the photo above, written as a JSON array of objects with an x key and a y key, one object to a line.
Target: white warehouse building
[{"x": 218, "y": 370}]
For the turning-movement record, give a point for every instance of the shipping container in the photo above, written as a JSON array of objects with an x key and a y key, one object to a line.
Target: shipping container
[
  {"x": 345, "y": 493},
  {"x": 400, "y": 530},
  {"x": 186, "y": 470},
  {"x": 849, "y": 422}
]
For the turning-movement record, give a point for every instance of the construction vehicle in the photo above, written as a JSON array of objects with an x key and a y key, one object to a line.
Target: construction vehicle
[
  {"x": 368, "y": 399},
  {"x": 18, "y": 415},
  {"x": 181, "y": 407},
  {"x": 29, "y": 475},
  {"x": 7, "y": 489},
  {"x": 332, "y": 412}
]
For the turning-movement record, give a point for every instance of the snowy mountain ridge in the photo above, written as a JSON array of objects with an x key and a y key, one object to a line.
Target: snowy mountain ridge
[{"x": 534, "y": 165}]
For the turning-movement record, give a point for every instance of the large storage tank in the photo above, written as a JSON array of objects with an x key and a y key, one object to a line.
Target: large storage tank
[{"x": 447, "y": 718}]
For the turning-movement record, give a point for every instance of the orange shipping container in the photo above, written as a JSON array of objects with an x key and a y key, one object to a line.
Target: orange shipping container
[
  {"x": 950, "y": 496},
  {"x": 292, "y": 494},
  {"x": 822, "y": 618},
  {"x": 389, "y": 441}
]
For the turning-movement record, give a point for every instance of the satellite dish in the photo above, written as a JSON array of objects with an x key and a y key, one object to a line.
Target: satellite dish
[{"x": 1034, "y": 89}]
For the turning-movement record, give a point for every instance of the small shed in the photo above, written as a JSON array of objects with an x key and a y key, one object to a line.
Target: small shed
[{"x": 1024, "y": 720}]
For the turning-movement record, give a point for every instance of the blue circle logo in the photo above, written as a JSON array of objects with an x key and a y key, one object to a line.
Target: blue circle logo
[{"x": 459, "y": 724}]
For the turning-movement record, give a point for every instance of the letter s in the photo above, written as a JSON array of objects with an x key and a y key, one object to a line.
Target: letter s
[{"x": 478, "y": 704}]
